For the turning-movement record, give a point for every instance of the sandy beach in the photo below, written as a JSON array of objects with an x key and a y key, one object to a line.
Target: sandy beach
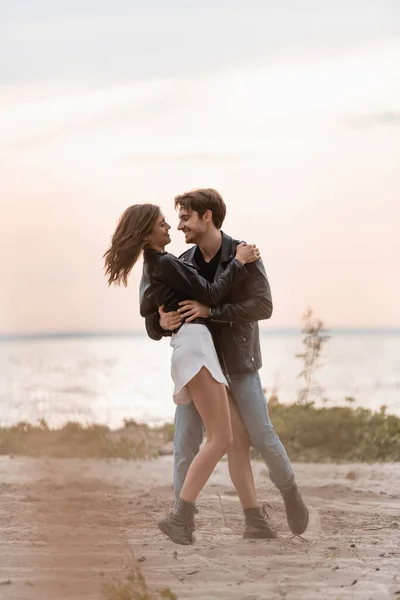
[{"x": 69, "y": 526}]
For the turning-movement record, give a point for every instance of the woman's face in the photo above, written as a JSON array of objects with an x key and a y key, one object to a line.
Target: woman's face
[{"x": 159, "y": 237}]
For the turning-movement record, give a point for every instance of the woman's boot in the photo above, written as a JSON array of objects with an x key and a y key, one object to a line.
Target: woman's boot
[
  {"x": 178, "y": 524},
  {"x": 257, "y": 525}
]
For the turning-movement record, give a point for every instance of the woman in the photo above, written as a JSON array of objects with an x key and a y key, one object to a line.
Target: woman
[{"x": 196, "y": 371}]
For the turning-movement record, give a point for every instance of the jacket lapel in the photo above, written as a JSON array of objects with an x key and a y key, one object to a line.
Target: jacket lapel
[
  {"x": 227, "y": 253},
  {"x": 189, "y": 258}
]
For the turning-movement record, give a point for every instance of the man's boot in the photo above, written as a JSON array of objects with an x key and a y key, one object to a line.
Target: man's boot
[
  {"x": 178, "y": 524},
  {"x": 296, "y": 510},
  {"x": 257, "y": 525}
]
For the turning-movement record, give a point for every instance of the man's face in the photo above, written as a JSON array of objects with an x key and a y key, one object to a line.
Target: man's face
[{"x": 192, "y": 225}]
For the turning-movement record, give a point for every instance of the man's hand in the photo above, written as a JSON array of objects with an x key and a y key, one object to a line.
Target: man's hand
[
  {"x": 169, "y": 320},
  {"x": 190, "y": 309}
]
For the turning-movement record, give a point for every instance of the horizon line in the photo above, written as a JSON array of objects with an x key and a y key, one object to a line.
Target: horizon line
[{"x": 138, "y": 333}]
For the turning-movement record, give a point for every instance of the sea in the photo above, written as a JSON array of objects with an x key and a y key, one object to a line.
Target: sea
[{"x": 95, "y": 379}]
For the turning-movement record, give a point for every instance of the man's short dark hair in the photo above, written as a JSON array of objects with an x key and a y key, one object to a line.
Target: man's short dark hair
[{"x": 202, "y": 200}]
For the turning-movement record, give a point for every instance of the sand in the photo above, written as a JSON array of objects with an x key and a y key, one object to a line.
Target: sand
[{"x": 69, "y": 526}]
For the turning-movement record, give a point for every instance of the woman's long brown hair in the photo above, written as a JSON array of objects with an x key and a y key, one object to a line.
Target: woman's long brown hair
[{"x": 128, "y": 241}]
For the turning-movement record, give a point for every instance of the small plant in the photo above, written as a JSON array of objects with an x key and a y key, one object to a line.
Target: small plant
[
  {"x": 314, "y": 339},
  {"x": 168, "y": 594},
  {"x": 134, "y": 587}
]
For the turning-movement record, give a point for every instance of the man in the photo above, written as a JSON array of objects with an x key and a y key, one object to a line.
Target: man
[{"x": 234, "y": 327}]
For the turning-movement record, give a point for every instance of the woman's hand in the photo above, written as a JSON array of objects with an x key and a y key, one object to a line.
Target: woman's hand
[{"x": 247, "y": 253}]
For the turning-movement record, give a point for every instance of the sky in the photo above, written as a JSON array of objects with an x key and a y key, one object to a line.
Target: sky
[{"x": 290, "y": 109}]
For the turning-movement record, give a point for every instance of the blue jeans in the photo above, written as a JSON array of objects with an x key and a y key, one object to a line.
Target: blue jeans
[{"x": 250, "y": 400}]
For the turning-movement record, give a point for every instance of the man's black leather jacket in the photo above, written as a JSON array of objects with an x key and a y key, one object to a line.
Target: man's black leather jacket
[
  {"x": 234, "y": 322},
  {"x": 168, "y": 280}
]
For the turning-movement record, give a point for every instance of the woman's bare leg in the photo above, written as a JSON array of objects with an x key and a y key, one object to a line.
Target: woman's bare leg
[
  {"x": 239, "y": 460},
  {"x": 211, "y": 401}
]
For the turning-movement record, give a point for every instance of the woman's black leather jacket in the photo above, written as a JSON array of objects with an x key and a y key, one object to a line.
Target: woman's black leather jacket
[{"x": 167, "y": 280}]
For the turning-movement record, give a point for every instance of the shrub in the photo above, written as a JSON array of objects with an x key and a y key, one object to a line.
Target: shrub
[{"x": 336, "y": 433}]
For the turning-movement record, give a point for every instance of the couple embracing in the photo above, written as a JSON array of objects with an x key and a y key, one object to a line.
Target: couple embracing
[{"x": 209, "y": 301}]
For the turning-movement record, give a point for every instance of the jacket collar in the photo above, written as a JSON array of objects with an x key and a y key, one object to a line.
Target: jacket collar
[
  {"x": 150, "y": 252},
  {"x": 227, "y": 251}
]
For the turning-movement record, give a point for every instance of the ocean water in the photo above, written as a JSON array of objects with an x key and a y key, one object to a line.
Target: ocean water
[{"x": 106, "y": 380}]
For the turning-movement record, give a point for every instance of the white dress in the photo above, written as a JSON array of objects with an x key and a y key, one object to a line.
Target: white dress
[{"x": 193, "y": 348}]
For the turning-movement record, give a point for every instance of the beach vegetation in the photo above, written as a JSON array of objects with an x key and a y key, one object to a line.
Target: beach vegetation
[
  {"x": 315, "y": 337},
  {"x": 308, "y": 432},
  {"x": 134, "y": 587}
]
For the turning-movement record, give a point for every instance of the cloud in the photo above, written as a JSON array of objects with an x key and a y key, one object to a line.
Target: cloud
[
  {"x": 388, "y": 118},
  {"x": 193, "y": 156},
  {"x": 84, "y": 40},
  {"x": 39, "y": 119}
]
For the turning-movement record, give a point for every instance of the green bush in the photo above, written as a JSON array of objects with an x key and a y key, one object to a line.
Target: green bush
[
  {"x": 309, "y": 434},
  {"x": 74, "y": 440},
  {"x": 336, "y": 433}
]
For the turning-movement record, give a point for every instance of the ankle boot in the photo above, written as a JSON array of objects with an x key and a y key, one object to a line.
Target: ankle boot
[
  {"x": 178, "y": 524},
  {"x": 296, "y": 510},
  {"x": 257, "y": 525}
]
